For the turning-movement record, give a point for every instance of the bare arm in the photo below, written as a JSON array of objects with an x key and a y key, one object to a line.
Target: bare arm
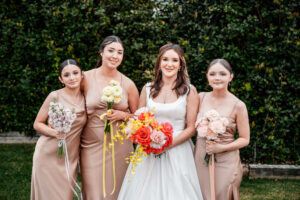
[
  {"x": 133, "y": 98},
  {"x": 143, "y": 98},
  {"x": 191, "y": 115},
  {"x": 242, "y": 122},
  {"x": 42, "y": 116}
]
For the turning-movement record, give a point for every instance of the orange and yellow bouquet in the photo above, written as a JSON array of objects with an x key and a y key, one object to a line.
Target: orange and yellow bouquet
[{"x": 147, "y": 134}]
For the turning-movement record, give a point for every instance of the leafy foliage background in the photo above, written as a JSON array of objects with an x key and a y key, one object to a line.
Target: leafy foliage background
[{"x": 259, "y": 38}]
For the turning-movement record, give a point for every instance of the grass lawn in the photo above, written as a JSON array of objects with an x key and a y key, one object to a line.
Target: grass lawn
[{"x": 16, "y": 164}]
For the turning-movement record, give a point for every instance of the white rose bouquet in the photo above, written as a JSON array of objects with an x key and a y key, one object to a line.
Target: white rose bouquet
[{"x": 111, "y": 94}]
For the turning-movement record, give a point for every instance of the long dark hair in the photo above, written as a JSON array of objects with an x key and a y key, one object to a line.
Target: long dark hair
[
  {"x": 222, "y": 61},
  {"x": 108, "y": 40},
  {"x": 182, "y": 81}
]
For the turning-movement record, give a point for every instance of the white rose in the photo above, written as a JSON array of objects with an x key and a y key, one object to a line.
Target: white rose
[
  {"x": 117, "y": 90},
  {"x": 107, "y": 98},
  {"x": 114, "y": 83},
  {"x": 117, "y": 99},
  {"x": 107, "y": 91}
]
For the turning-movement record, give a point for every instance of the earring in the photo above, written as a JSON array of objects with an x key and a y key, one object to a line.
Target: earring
[{"x": 179, "y": 69}]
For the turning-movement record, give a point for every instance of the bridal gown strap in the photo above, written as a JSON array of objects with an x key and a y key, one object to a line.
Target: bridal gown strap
[
  {"x": 49, "y": 179},
  {"x": 227, "y": 168},
  {"x": 172, "y": 176},
  {"x": 92, "y": 144}
]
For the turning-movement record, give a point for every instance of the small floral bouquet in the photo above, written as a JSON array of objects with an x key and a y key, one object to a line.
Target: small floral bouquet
[
  {"x": 210, "y": 126},
  {"x": 111, "y": 94},
  {"x": 148, "y": 134},
  {"x": 61, "y": 119}
]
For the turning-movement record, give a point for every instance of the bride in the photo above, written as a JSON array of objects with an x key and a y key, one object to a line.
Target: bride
[{"x": 173, "y": 174}]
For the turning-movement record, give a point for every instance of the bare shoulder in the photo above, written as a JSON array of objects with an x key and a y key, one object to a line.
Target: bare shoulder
[
  {"x": 53, "y": 94},
  {"x": 129, "y": 84},
  {"x": 240, "y": 105},
  {"x": 201, "y": 95},
  {"x": 193, "y": 90},
  {"x": 193, "y": 95},
  {"x": 89, "y": 72}
]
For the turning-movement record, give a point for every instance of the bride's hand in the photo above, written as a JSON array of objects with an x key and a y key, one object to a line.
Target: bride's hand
[
  {"x": 116, "y": 115},
  {"x": 166, "y": 149},
  {"x": 213, "y": 147}
]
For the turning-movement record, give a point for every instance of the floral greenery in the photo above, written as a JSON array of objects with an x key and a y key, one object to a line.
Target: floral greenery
[{"x": 259, "y": 38}]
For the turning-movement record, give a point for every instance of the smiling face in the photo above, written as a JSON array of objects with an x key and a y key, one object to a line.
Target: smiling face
[
  {"x": 71, "y": 76},
  {"x": 112, "y": 55},
  {"x": 170, "y": 63},
  {"x": 218, "y": 76}
]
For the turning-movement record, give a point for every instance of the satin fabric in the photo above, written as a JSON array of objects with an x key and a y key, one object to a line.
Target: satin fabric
[
  {"x": 92, "y": 144},
  {"x": 49, "y": 176},
  {"x": 227, "y": 167}
]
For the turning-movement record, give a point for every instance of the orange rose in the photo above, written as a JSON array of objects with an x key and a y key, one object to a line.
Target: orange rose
[
  {"x": 142, "y": 136},
  {"x": 167, "y": 129}
]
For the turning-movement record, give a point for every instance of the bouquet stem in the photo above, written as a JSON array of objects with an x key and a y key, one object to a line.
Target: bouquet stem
[
  {"x": 60, "y": 150},
  {"x": 107, "y": 125}
]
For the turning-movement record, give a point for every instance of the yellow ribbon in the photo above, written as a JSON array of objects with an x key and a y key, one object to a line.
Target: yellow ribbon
[
  {"x": 112, "y": 146},
  {"x": 113, "y": 156},
  {"x": 103, "y": 164}
]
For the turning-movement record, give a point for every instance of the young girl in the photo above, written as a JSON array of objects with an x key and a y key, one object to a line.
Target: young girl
[
  {"x": 49, "y": 174},
  {"x": 228, "y": 169}
]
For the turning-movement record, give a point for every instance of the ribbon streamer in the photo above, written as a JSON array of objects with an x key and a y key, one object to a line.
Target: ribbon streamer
[
  {"x": 113, "y": 157},
  {"x": 211, "y": 168},
  {"x": 67, "y": 167},
  {"x": 103, "y": 163},
  {"x": 112, "y": 146}
]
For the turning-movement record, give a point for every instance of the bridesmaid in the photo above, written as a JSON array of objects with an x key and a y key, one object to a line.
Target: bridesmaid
[
  {"x": 49, "y": 177},
  {"x": 111, "y": 52},
  {"x": 228, "y": 168}
]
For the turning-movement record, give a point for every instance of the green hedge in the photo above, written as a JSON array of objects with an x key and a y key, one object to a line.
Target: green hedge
[{"x": 259, "y": 38}]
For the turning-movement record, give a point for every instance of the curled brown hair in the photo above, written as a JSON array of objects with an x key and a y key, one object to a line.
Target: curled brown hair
[
  {"x": 222, "y": 61},
  {"x": 182, "y": 82}
]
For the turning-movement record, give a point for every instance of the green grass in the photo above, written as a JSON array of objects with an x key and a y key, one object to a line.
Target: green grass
[
  {"x": 16, "y": 164},
  {"x": 269, "y": 189}
]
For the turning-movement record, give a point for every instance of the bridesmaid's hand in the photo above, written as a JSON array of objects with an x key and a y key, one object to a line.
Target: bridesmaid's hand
[
  {"x": 116, "y": 115},
  {"x": 213, "y": 147},
  {"x": 60, "y": 135}
]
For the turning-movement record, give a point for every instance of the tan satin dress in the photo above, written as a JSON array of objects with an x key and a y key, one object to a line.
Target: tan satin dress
[
  {"x": 92, "y": 145},
  {"x": 228, "y": 168},
  {"x": 49, "y": 178}
]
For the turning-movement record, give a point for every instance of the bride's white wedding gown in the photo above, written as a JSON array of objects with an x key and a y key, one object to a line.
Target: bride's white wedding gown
[{"x": 172, "y": 176}]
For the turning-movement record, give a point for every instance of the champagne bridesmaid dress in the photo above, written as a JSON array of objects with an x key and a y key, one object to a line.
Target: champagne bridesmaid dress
[
  {"x": 228, "y": 168},
  {"x": 92, "y": 145},
  {"x": 49, "y": 177}
]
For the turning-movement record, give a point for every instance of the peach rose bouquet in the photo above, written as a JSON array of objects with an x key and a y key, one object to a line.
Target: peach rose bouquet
[{"x": 210, "y": 125}]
